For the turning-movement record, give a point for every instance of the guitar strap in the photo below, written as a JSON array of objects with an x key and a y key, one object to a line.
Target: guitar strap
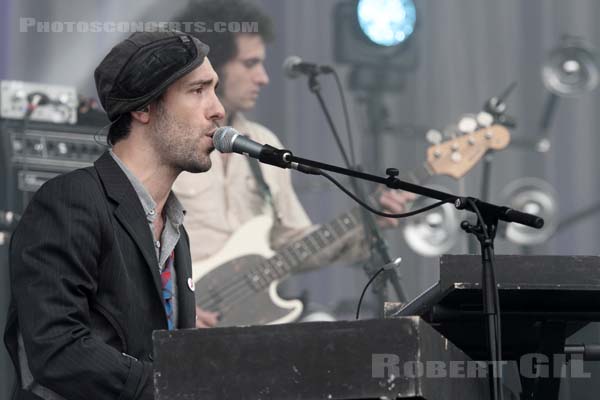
[
  {"x": 260, "y": 180},
  {"x": 258, "y": 176}
]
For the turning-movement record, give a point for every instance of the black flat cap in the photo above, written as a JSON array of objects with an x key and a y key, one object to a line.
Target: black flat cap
[{"x": 139, "y": 69}]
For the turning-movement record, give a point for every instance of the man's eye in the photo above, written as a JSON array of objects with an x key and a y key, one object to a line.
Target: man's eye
[
  {"x": 198, "y": 90},
  {"x": 250, "y": 63}
]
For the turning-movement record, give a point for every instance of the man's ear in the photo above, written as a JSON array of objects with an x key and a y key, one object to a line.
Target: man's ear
[{"x": 142, "y": 115}]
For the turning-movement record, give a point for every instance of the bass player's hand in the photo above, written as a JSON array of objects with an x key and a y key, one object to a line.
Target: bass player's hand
[{"x": 206, "y": 319}]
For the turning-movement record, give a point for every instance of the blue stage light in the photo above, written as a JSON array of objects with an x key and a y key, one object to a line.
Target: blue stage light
[{"x": 387, "y": 22}]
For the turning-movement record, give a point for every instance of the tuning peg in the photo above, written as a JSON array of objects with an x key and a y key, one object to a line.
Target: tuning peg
[
  {"x": 434, "y": 136},
  {"x": 485, "y": 119},
  {"x": 467, "y": 123},
  {"x": 450, "y": 131}
]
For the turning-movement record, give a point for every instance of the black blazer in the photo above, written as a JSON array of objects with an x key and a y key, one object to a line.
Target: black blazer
[{"x": 86, "y": 291}]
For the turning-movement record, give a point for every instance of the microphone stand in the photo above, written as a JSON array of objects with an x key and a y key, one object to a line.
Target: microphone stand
[
  {"x": 488, "y": 216},
  {"x": 496, "y": 107},
  {"x": 285, "y": 159},
  {"x": 372, "y": 231}
]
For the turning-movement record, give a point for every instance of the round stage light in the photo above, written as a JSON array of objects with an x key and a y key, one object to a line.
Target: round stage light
[{"x": 387, "y": 22}]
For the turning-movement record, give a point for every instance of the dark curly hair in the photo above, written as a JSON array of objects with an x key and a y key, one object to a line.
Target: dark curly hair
[
  {"x": 222, "y": 44},
  {"x": 121, "y": 127}
]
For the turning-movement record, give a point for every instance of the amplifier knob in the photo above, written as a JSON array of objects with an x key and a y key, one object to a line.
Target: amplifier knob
[
  {"x": 62, "y": 148},
  {"x": 17, "y": 146}
]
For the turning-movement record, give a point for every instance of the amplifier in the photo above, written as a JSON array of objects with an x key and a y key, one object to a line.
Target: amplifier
[
  {"x": 61, "y": 108},
  {"x": 7, "y": 377},
  {"x": 40, "y": 153}
]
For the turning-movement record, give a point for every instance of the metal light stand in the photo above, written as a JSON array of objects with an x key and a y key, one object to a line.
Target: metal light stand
[{"x": 378, "y": 243}]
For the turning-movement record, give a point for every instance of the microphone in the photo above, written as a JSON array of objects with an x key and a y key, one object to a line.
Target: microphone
[
  {"x": 228, "y": 140},
  {"x": 293, "y": 67}
]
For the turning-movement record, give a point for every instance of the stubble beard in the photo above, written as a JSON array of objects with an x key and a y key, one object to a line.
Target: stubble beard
[{"x": 174, "y": 145}]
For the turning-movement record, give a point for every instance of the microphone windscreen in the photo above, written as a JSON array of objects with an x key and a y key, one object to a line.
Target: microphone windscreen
[
  {"x": 223, "y": 139},
  {"x": 289, "y": 64}
]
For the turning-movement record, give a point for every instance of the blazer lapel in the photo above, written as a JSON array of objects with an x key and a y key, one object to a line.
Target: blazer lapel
[
  {"x": 129, "y": 211},
  {"x": 183, "y": 271}
]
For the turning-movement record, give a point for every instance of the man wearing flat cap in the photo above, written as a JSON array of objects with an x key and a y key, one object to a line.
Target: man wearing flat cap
[{"x": 100, "y": 258}]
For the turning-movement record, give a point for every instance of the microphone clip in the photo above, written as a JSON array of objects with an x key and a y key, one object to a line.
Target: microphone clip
[
  {"x": 283, "y": 159},
  {"x": 293, "y": 67},
  {"x": 273, "y": 156}
]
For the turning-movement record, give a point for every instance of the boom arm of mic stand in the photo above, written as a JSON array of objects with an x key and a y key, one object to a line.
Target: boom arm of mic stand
[{"x": 493, "y": 211}]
